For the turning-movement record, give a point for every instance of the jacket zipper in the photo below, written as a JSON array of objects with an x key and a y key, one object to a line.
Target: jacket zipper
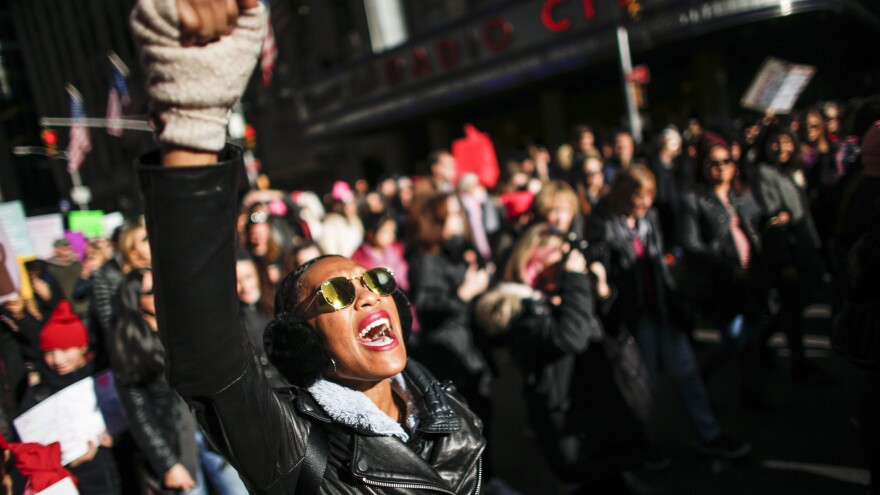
[
  {"x": 415, "y": 486},
  {"x": 479, "y": 475}
]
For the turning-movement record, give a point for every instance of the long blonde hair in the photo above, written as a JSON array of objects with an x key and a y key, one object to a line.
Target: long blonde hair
[{"x": 126, "y": 243}]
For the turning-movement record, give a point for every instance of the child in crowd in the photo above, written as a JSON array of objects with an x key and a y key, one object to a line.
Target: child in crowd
[{"x": 66, "y": 360}]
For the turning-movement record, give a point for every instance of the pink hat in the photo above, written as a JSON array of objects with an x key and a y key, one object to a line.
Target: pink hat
[{"x": 341, "y": 192}]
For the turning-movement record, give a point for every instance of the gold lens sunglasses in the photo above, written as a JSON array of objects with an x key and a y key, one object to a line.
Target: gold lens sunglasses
[{"x": 340, "y": 292}]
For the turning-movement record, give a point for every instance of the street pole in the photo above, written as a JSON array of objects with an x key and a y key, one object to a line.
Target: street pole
[
  {"x": 128, "y": 124},
  {"x": 635, "y": 121},
  {"x": 79, "y": 194}
]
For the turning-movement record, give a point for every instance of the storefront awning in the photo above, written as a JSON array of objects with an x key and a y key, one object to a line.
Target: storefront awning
[{"x": 523, "y": 42}]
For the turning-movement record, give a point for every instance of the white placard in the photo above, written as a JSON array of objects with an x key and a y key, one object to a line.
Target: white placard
[
  {"x": 63, "y": 487},
  {"x": 13, "y": 221},
  {"x": 70, "y": 416},
  {"x": 777, "y": 86},
  {"x": 9, "y": 265},
  {"x": 44, "y": 231},
  {"x": 111, "y": 221}
]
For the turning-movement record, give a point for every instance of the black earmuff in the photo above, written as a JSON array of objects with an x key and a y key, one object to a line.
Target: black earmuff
[
  {"x": 296, "y": 349},
  {"x": 405, "y": 311}
]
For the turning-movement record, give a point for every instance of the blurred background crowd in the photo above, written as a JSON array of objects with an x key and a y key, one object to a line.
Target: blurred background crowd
[{"x": 737, "y": 229}]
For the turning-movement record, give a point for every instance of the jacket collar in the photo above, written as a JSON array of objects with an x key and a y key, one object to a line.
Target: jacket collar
[{"x": 428, "y": 409}]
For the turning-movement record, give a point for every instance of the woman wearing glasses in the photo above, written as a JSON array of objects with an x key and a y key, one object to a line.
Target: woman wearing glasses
[
  {"x": 721, "y": 246},
  {"x": 361, "y": 417}
]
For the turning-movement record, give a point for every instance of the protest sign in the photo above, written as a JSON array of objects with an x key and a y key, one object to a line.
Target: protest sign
[
  {"x": 26, "y": 290},
  {"x": 63, "y": 487},
  {"x": 111, "y": 222},
  {"x": 70, "y": 416},
  {"x": 89, "y": 222},
  {"x": 13, "y": 222},
  {"x": 777, "y": 86},
  {"x": 10, "y": 278},
  {"x": 44, "y": 230}
]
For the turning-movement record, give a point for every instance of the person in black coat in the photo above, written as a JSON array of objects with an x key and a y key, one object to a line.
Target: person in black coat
[
  {"x": 254, "y": 313},
  {"x": 543, "y": 310},
  {"x": 379, "y": 419},
  {"x": 722, "y": 264},
  {"x": 162, "y": 427},
  {"x": 790, "y": 242},
  {"x": 639, "y": 274},
  {"x": 445, "y": 275}
]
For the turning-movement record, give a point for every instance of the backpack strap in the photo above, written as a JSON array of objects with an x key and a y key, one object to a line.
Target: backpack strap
[{"x": 314, "y": 463}]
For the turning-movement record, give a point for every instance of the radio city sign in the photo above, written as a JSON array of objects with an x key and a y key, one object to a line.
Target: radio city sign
[
  {"x": 472, "y": 43},
  {"x": 527, "y": 40}
]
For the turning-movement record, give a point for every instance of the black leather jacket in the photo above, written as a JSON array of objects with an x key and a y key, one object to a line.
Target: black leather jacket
[
  {"x": 582, "y": 425},
  {"x": 706, "y": 226},
  {"x": 628, "y": 278},
  {"x": 447, "y": 344},
  {"x": 190, "y": 215}
]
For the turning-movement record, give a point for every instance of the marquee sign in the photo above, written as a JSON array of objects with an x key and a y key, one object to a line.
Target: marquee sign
[{"x": 529, "y": 40}]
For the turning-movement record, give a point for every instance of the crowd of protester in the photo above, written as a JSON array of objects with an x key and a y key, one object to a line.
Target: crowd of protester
[{"x": 733, "y": 228}]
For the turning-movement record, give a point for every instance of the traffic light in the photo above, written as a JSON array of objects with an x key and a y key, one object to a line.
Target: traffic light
[
  {"x": 633, "y": 8},
  {"x": 50, "y": 141},
  {"x": 250, "y": 137}
]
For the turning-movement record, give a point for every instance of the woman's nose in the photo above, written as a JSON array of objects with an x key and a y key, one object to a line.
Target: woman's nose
[{"x": 366, "y": 297}]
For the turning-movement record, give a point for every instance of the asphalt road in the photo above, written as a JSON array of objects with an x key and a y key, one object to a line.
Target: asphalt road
[{"x": 805, "y": 442}]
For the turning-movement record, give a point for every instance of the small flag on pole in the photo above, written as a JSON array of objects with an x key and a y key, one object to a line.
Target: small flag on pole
[
  {"x": 269, "y": 53},
  {"x": 79, "y": 144},
  {"x": 118, "y": 97}
]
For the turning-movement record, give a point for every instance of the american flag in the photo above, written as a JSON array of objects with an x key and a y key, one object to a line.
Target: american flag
[
  {"x": 118, "y": 97},
  {"x": 79, "y": 144},
  {"x": 269, "y": 54}
]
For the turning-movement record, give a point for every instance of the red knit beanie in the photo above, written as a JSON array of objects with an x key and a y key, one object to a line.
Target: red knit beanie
[{"x": 63, "y": 330}]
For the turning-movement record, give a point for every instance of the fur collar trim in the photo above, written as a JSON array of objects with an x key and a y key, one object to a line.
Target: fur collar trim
[
  {"x": 355, "y": 410},
  {"x": 497, "y": 309}
]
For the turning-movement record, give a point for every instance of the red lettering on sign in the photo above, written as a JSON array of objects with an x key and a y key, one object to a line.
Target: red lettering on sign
[
  {"x": 393, "y": 69},
  {"x": 497, "y": 34},
  {"x": 448, "y": 52},
  {"x": 589, "y": 9},
  {"x": 547, "y": 17},
  {"x": 420, "y": 64}
]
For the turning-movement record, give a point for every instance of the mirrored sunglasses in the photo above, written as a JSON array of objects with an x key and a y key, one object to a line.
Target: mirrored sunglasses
[{"x": 340, "y": 292}]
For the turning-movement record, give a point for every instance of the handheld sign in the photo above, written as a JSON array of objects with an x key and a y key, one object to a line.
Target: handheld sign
[
  {"x": 89, "y": 222},
  {"x": 777, "y": 86}
]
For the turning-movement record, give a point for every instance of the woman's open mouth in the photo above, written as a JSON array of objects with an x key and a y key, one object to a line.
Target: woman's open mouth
[{"x": 375, "y": 332}]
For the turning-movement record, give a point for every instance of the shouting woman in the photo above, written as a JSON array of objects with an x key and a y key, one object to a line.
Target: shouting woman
[{"x": 361, "y": 417}]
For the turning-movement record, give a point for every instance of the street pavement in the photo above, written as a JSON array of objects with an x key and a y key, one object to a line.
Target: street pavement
[{"x": 805, "y": 442}]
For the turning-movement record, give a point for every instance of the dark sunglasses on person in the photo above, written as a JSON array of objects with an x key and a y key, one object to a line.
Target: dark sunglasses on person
[
  {"x": 340, "y": 292},
  {"x": 718, "y": 163}
]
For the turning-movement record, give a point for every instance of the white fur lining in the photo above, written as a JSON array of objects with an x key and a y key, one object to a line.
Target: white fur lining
[{"x": 352, "y": 408}]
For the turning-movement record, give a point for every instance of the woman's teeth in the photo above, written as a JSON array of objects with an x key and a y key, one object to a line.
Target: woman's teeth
[{"x": 375, "y": 331}]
